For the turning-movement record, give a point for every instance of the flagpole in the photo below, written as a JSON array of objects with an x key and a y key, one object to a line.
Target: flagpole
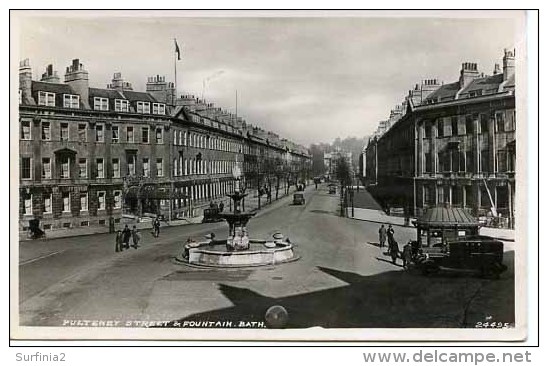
[{"x": 175, "y": 66}]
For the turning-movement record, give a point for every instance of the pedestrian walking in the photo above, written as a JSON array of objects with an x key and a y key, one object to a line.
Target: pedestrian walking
[
  {"x": 126, "y": 236},
  {"x": 221, "y": 206},
  {"x": 382, "y": 236},
  {"x": 118, "y": 246},
  {"x": 407, "y": 254},
  {"x": 390, "y": 234},
  {"x": 136, "y": 236},
  {"x": 156, "y": 226}
]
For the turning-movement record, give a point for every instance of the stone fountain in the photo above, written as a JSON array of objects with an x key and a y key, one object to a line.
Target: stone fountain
[{"x": 238, "y": 250}]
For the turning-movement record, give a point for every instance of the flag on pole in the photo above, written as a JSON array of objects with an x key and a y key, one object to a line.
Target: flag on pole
[{"x": 177, "y": 51}]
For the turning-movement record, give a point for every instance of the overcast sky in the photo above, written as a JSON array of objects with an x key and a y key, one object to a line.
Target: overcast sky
[{"x": 308, "y": 79}]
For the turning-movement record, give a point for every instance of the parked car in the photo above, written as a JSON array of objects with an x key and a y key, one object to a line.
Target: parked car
[
  {"x": 298, "y": 198},
  {"x": 481, "y": 254},
  {"x": 332, "y": 189},
  {"x": 212, "y": 215}
]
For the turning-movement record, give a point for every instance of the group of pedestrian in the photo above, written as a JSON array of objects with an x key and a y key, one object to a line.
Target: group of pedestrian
[
  {"x": 393, "y": 248},
  {"x": 214, "y": 205},
  {"x": 123, "y": 238}
]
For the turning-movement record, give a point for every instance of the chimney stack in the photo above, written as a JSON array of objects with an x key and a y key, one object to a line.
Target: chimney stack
[
  {"x": 468, "y": 72},
  {"x": 497, "y": 70},
  {"x": 25, "y": 82},
  {"x": 118, "y": 83},
  {"x": 50, "y": 76},
  {"x": 77, "y": 78},
  {"x": 508, "y": 64}
]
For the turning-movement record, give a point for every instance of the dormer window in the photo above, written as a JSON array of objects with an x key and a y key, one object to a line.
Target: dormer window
[
  {"x": 47, "y": 99},
  {"x": 121, "y": 105},
  {"x": 71, "y": 101},
  {"x": 158, "y": 108},
  {"x": 143, "y": 107},
  {"x": 100, "y": 104}
]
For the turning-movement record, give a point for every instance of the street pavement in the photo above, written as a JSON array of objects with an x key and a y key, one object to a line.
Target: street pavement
[{"x": 341, "y": 280}]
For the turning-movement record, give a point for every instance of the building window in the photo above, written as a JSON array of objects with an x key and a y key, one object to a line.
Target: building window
[
  {"x": 131, "y": 164},
  {"x": 427, "y": 163},
  {"x": 146, "y": 167},
  {"x": 143, "y": 107},
  {"x": 483, "y": 124},
  {"x": 469, "y": 124},
  {"x": 84, "y": 223},
  {"x": 66, "y": 201},
  {"x": 174, "y": 137},
  {"x": 71, "y": 101},
  {"x": 159, "y": 135},
  {"x": 100, "y": 104},
  {"x": 99, "y": 135},
  {"x": 101, "y": 200},
  {"x": 47, "y": 204},
  {"x": 83, "y": 201},
  {"x": 184, "y": 139},
  {"x": 64, "y": 132},
  {"x": 25, "y": 130},
  {"x": 159, "y": 167},
  {"x": 512, "y": 124},
  {"x": 502, "y": 162},
  {"x": 116, "y": 168},
  {"x": 121, "y": 105},
  {"x": 484, "y": 160},
  {"x": 129, "y": 134},
  {"x": 117, "y": 199},
  {"x": 27, "y": 201},
  {"x": 46, "y": 131},
  {"x": 115, "y": 134},
  {"x": 158, "y": 108},
  {"x": 47, "y": 99},
  {"x": 82, "y": 137},
  {"x": 100, "y": 168},
  {"x": 26, "y": 171},
  {"x": 499, "y": 117},
  {"x": 82, "y": 168},
  {"x": 46, "y": 168},
  {"x": 65, "y": 167},
  {"x": 144, "y": 135}
]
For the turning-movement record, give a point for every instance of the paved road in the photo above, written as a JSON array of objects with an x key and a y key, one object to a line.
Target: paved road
[{"x": 341, "y": 280}]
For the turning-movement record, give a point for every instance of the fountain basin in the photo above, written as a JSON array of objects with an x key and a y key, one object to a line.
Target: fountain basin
[{"x": 214, "y": 254}]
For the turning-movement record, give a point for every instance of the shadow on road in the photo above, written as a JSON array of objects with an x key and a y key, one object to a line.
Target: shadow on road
[{"x": 387, "y": 300}]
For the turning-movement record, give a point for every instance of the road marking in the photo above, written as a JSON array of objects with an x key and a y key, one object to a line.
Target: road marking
[{"x": 41, "y": 257}]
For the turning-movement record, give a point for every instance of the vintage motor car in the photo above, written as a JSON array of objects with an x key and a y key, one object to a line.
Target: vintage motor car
[
  {"x": 298, "y": 198},
  {"x": 211, "y": 215},
  {"x": 448, "y": 239},
  {"x": 332, "y": 189}
]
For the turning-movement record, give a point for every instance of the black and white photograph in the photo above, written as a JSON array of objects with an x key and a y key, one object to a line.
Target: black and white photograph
[{"x": 268, "y": 175}]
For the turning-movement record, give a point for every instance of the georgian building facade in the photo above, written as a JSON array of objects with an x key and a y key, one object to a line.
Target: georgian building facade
[
  {"x": 90, "y": 155},
  {"x": 455, "y": 147}
]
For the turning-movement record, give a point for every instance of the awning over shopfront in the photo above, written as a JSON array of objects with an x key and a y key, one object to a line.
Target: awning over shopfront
[{"x": 440, "y": 217}]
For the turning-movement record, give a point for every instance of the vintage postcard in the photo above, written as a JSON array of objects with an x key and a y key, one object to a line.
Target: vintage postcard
[{"x": 272, "y": 175}]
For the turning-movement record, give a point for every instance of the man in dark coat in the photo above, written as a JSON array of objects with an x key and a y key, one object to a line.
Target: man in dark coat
[
  {"x": 126, "y": 236},
  {"x": 390, "y": 234},
  {"x": 382, "y": 236},
  {"x": 118, "y": 246}
]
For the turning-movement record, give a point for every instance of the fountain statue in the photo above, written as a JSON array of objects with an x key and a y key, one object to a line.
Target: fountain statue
[{"x": 238, "y": 250}]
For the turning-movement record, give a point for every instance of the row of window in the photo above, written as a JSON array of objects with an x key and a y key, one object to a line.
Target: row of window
[
  {"x": 64, "y": 167},
  {"x": 100, "y": 104},
  {"x": 182, "y": 138},
  {"x": 464, "y": 196},
  {"x": 64, "y": 133},
  {"x": 454, "y": 126},
  {"x": 464, "y": 161},
  {"x": 196, "y": 166},
  {"x": 66, "y": 202}
]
